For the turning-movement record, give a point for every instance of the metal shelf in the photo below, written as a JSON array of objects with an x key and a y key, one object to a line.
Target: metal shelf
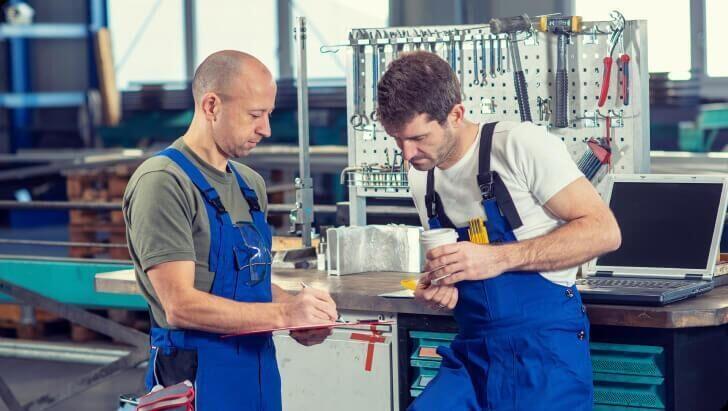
[
  {"x": 44, "y": 30},
  {"x": 46, "y": 99}
]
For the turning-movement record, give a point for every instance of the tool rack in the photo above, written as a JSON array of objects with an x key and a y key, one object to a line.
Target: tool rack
[{"x": 482, "y": 63}]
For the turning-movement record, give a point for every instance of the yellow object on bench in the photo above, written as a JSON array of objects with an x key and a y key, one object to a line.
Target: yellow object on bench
[{"x": 410, "y": 283}]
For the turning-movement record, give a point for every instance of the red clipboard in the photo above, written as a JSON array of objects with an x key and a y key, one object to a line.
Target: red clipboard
[{"x": 336, "y": 324}]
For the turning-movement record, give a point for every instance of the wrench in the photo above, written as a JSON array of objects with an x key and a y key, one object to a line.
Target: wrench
[
  {"x": 492, "y": 55},
  {"x": 500, "y": 56},
  {"x": 452, "y": 56},
  {"x": 375, "y": 76},
  {"x": 461, "y": 49},
  {"x": 476, "y": 77},
  {"x": 483, "y": 59},
  {"x": 358, "y": 119}
]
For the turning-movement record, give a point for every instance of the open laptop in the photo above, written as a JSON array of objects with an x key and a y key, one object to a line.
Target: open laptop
[{"x": 671, "y": 228}]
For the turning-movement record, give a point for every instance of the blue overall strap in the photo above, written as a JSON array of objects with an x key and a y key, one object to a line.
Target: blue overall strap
[
  {"x": 490, "y": 183},
  {"x": 212, "y": 198},
  {"x": 255, "y": 212},
  {"x": 433, "y": 203}
]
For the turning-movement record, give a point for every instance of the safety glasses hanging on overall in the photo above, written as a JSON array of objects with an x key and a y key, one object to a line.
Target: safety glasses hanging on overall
[
  {"x": 238, "y": 373},
  {"x": 522, "y": 340}
]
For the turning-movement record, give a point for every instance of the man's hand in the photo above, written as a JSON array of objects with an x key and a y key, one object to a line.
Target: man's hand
[
  {"x": 437, "y": 297},
  {"x": 311, "y": 337},
  {"x": 464, "y": 261},
  {"x": 310, "y": 307}
]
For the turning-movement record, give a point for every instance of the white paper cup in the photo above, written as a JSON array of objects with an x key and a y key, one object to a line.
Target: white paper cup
[
  {"x": 435, "y": 238},
  {"x": 438, "y": 237}
]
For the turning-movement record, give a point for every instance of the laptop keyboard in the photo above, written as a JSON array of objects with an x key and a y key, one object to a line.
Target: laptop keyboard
[{"x": 630, "y": 283}]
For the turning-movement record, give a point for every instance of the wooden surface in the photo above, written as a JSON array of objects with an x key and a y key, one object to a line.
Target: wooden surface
[{"x": 360, "y": 292}]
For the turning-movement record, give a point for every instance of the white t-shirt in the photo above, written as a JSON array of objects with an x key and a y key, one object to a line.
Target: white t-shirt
[{"x": 533, "y": 164}]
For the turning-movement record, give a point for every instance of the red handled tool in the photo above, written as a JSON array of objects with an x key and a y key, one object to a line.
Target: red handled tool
[{"x": 617, "y": 30}]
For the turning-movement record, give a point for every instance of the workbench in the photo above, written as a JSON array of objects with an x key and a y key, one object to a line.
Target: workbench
[{"x": 692, "y": 334}]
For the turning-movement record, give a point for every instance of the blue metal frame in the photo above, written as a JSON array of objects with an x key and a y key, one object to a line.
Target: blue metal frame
[
  {"x": 20, "y": 118},
  {"x": 20, "y": 99},
  {"x": 44, "y": 30}
]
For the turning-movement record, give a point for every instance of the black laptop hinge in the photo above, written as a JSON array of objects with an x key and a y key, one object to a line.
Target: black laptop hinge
[
  {"x": 693, "y": 277},
  {"x": 604, "y": 273}
]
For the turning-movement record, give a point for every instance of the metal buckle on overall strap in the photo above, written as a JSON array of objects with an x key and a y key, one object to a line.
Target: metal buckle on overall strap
[
  {"x": 214, "y": 199},
  {"x": 431, "y": 204},
  {"x": 486, "y": 182}
]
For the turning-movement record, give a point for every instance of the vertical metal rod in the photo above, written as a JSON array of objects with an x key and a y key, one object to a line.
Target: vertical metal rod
[
  {"x": 304, "y": 184},
  {"x": 190, "y": 21}
]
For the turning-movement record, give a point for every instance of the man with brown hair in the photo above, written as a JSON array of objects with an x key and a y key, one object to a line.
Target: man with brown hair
[{"x": 523, "y": 333}]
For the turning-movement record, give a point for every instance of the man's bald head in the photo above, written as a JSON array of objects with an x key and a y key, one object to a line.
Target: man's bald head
[{"x": 227, "y": 72}]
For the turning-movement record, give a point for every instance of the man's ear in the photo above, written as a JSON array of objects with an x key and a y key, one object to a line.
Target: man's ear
[
  {"x": 211, "y": 106},
  {"x": 457, "y": 115}
]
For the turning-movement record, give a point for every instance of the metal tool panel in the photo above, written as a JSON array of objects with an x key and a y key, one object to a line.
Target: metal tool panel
[{"x": 485, "y": 69}]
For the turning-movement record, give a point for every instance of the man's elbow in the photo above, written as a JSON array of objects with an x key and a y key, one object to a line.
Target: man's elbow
[
  {"x": 613, "y": 236},
  {"x": 175, "y": 316}
]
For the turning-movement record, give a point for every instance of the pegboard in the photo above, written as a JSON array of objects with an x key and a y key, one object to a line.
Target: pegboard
[{"x": 375, "y": 164}]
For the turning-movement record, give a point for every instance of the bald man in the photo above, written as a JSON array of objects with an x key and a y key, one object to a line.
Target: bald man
[{"x": 201, "y": 247}]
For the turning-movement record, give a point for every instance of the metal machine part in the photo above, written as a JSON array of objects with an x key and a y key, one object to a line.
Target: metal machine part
[{"x": 302, "y": 215}]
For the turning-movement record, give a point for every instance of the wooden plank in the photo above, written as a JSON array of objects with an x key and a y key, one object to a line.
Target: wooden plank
[
  {"x": 110, "y": 96},
  {"x": 289, "y": 243}
]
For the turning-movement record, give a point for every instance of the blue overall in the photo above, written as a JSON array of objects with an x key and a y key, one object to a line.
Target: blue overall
[
  {"x": 238, "y": 373},
  {"x": 523, "y": 340}
]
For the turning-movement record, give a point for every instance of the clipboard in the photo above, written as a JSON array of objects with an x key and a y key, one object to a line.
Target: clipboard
[{"x": 333, "y": 324}]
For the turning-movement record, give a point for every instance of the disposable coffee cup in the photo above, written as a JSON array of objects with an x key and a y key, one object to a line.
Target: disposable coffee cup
[{"x": 438, "y": 237}]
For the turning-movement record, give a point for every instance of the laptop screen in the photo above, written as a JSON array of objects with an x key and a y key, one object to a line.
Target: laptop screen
[{"x": 665, "y": 225}]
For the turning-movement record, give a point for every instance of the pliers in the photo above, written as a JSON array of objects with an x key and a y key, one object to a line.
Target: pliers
[{"x": 617, "y": 32}]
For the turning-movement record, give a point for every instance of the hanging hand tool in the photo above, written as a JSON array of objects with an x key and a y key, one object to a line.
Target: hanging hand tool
[
  {"x": 377, "y": 57},
  {"x": 512, "y": 26},
  {"x": 483, "y": 59},
  {"x": 476, "y": 76},
  {"x": 432, "y": 41},
  {"x": 461, "y": 66},
  {"x": 563, "y": 27},
  {"x": 499, "y": 50},
  {"x": 359, "y": 118},
  {"x": 397, "y": 47},
  {"x": 452, "y": 57},
  {"x": 624, "y": 59},
  {"x": 617, "y": 30},
  {"x": 492, "y": 55}
]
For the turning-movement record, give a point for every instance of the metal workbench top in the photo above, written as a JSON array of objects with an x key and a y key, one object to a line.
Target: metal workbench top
[{"x": 360, "y": 292}]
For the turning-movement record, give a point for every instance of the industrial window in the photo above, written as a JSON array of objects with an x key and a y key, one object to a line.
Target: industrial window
[
  {"x": 249, "y": 26},
  {"x": 328, "y": 22},
  {"x": 668, "y": 28},
  {"x": 147, "y": 41},
  {"x": 716, "y": 31}
]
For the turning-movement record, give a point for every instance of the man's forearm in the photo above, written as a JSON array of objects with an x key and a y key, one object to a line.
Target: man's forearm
[
  {"x": 199, "y": 310},
  {"x": 572, "y": 244}
]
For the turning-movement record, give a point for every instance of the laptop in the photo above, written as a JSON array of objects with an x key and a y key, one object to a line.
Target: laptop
[{"x": 671, "y": 228}]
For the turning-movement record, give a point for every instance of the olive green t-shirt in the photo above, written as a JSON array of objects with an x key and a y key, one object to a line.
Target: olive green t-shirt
[{"x": 166, "y": 219}]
